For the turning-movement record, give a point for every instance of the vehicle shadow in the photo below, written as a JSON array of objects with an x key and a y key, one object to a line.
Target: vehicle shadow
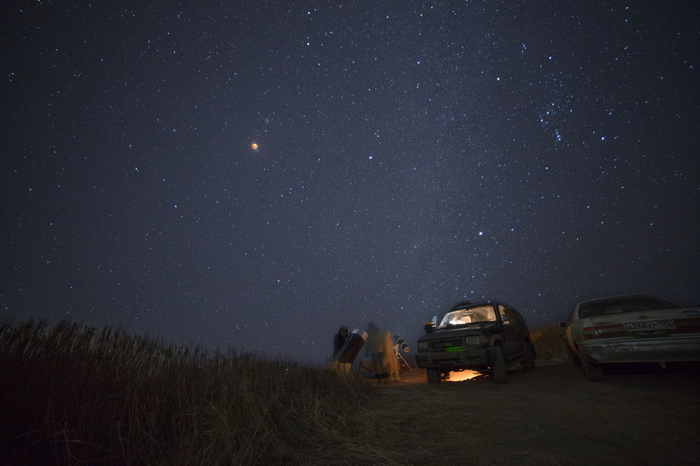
[{"x": 651, "y": 368}]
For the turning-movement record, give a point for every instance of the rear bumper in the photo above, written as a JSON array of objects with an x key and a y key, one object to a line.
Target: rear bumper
[
  {"x": 677, "y": 349},
  {"x": 447, "y": 361}
]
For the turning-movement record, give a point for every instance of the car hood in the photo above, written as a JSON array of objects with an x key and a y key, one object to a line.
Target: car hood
[{"x": 460, "y": 332}]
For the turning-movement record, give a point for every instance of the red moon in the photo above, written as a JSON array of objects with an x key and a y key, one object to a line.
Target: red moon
[{"x": 254, "y": 146}]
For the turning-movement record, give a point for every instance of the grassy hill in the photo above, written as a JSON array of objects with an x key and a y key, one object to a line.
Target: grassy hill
[{"x": 74, "y": 394}]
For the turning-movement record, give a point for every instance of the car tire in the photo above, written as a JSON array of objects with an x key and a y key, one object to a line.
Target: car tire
[
  {"x": 593, "y": 372},
  {"x": 433, "y": 375},
  {"x": 498, "y": 369},
  {"x": 576, "y": 359},
  {"x": 529, "y": 363}
]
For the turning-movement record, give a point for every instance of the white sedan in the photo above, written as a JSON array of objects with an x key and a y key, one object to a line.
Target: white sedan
[{"x": 632, "y": 328}]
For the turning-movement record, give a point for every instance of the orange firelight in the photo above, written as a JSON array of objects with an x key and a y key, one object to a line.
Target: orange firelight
[
  {"x": 463, "y": 375},
  {"x": 254, "y": 146}
]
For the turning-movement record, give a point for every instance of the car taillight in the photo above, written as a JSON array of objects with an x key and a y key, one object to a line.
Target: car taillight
[
  {"x": 589, "y": 332},
  {"x": 604, "y": 331}
]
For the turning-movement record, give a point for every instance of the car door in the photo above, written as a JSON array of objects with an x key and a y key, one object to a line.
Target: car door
[
  {"x": 569, "y": 335},
  {"x": 522, "y": 330},
  {"x": 512, "y": 332}
]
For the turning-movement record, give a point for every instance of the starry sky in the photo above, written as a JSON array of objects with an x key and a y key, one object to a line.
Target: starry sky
[{"x": 409, "y": 155}]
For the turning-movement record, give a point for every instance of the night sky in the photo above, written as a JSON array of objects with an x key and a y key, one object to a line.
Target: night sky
[{"x": 409, "y": 155}]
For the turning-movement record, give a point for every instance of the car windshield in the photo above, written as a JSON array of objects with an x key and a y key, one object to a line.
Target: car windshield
[
  {"x": 622, "y": 304},
  {"x": 474, "y": 315}
]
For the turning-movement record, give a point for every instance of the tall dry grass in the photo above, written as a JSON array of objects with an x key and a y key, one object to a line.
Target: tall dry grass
[
  {"x": 72, "y": 393},
  {"x": 550, "y": 345},
  {"x": 77, "y": 394}
]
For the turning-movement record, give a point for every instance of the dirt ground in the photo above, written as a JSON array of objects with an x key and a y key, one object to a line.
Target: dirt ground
[{"x": 638, "y": 415}]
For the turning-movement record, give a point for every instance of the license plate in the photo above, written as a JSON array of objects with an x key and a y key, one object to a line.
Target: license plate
[{"x": 650, "y": 325}]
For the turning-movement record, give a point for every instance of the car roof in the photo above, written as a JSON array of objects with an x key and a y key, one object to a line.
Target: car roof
[
  {"x": 638, "y": 295},
  {"x": 470, "y": 304}
]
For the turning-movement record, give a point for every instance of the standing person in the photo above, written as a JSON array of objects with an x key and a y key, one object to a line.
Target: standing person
[
  {"x": 339, "y": 340},
  {"x": 391, "y": 364},
  {"x": 373, "y": 349}
]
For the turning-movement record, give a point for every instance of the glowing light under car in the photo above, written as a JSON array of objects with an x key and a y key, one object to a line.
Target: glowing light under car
[{"x": 464, "y": 375}]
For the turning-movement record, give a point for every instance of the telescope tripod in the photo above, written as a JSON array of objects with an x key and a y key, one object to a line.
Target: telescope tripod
[{"x": 399, "y": 355}]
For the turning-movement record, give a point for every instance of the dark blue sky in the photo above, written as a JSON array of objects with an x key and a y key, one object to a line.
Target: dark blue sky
[{"x": 410, "y": 155}]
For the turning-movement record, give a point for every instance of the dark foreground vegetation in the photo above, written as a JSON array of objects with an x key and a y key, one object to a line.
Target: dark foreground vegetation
[
  {"x": 76, "y": 394},
  {"x": 550, "y": 345},
  {"x": 71, "y": 393}
]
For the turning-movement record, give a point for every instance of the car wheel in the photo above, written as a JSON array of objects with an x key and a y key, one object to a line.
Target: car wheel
[
  {"x": 529, "y": 363},
  {"x": 576, "y": 359},
  {"x": 593, "y": 372},
  {"x": 498, "y": 370},
  {"x": 433, "y": 375}
]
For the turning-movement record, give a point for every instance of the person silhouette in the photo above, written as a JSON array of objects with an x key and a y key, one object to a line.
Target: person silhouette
[{"x": 339, "y": 339}]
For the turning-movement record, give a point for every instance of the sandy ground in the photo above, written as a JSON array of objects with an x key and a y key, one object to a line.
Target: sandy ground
[{"x": 639, "y": 415}]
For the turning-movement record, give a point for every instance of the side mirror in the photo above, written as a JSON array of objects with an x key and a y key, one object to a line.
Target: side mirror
[
  {"x": 429, "y": 327},
  {"x": 505, "y": 319}
]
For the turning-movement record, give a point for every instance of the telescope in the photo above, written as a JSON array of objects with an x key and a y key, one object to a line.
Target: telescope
[
  {"x": 351, "y": 348},
  {"x": 402, "y": 343}
]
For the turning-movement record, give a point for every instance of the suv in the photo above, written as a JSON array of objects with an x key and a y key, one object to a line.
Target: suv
[{"x": 486, "y": 337}]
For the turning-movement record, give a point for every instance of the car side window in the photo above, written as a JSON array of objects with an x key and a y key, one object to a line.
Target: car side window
[
  {"x": 516, "y": 318},
  {"x": 505, "y": 317},
  {"x": 513, "y": 318}
]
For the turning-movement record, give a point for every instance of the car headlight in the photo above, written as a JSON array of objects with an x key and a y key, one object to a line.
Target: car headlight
[
  {"x": 477, "y": 340},
  {"x": 422, "y": 346}
]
